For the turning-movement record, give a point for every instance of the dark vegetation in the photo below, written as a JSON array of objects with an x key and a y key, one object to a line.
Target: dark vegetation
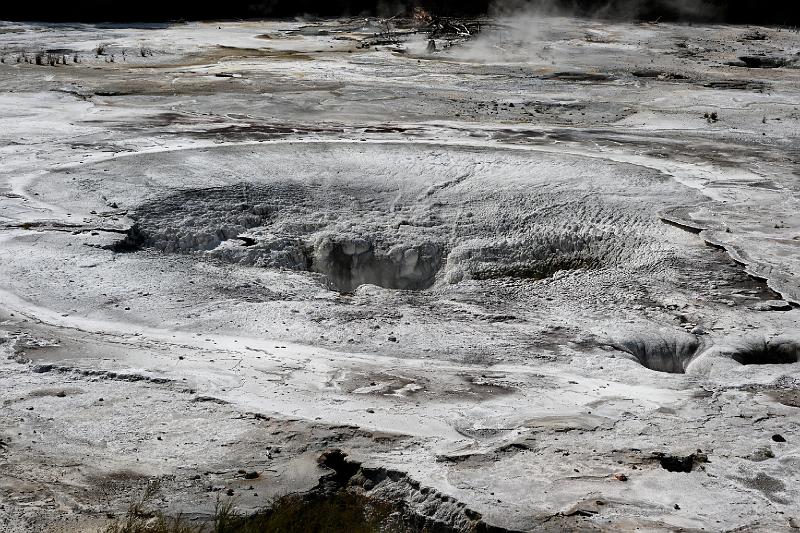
[
  {"x": 340, "y": 503},
  {"x": 341, "y": 511}
]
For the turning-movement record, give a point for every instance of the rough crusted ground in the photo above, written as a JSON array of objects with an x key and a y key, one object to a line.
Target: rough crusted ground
[{"x": 236, "y": 246}]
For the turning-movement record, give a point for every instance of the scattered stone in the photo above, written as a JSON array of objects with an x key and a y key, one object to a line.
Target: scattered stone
[
  {"x": 620, "y": 477},
  {"x": 778, "y": 438},
  {"x": 762, "y": 454}
]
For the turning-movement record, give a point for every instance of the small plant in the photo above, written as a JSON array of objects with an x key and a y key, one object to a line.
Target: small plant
[
  {"x": 100, "y": 50},
  {"x": 341, "y": 512},
  {"x": 711, "y": 117},
  {"x": 140, "y": 519}
]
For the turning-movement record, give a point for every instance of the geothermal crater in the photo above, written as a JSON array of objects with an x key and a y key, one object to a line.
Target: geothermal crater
[
  {"x": 405, "y": 233},
  {"x": 518, "y": 274}
]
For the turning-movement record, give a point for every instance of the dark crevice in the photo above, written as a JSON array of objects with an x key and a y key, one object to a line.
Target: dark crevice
[
  {"x": 347, "y": 264},
  {"x": 677, "y": 464},
  {"x": 133, "y": 241},
  {"x": 680, "y": 463},
  {"x": 671, "y": 355},
  {"x": 681, "y": 225},
  {"x": 773, "y": 352},
  {"x": 246, "y": 241}
]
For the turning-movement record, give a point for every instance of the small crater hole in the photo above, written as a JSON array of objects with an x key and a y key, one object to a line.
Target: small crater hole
[
  {"x": 774, "y": 352},
  {"x": 670, "y": 355}
]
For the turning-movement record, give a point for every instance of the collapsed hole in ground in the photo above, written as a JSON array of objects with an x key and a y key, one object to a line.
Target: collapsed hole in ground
[
  {"x": 679, "y": 463},
  {"x": 310, "y": 227},
  {"x": 280, "y": 225},
  {"x": 245, "y": 240},
  {"x": 767, "y": 352},
  {"x": 349, "y": 263},
  {"x": 662, "y": 354}
]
